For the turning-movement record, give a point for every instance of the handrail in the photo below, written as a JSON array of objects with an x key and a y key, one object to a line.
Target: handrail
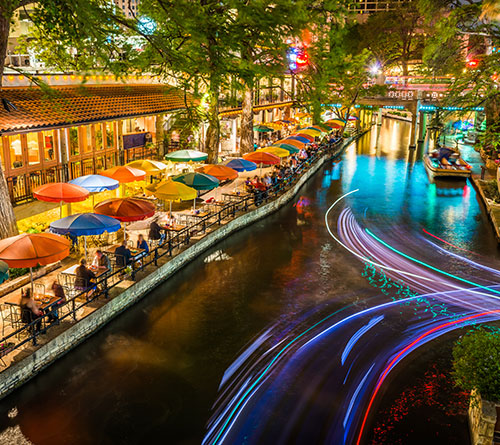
[{"x": 103, "y": 284}]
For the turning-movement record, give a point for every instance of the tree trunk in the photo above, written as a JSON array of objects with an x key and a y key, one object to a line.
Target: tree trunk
[
  {"x": 8, "y": 226},
  {"x": 246, "y": 139},
  {"x": 213, "y": 131},
  {"x": 316, "y": 110}
]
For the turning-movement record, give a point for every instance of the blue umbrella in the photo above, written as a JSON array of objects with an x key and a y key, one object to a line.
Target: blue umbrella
[
  {"x": 241, "y": 165},
  {"x": 83, "y": 224},
  {"x": 96, "y": 183},
  {"x": 300, "y": 139}
]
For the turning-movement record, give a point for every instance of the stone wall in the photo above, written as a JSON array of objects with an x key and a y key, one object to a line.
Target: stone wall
[
  {"x": 482, "y": 419},
  {"x": 20, "y": 372}
]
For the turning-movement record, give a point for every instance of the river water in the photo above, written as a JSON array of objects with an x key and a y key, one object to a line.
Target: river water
[{"x": 240, "y": 346}]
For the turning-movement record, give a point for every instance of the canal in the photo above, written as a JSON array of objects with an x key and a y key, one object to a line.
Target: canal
[{"x": 259, "y": 341}]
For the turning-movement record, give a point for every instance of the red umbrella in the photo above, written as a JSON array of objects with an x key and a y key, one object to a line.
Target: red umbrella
[
  {"x": 305, "y": 136},
  {"x": 124, "y": 174},
  {"x": 263, "y": 158},
  {"x": 60, "y": 192},
  {"x": 126, "y": 209}
]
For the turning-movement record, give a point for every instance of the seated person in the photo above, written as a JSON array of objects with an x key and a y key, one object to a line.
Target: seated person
[
  {"x": 142, "y": 244},
  {"x": 58, "y": 291},
  {"x": 101, "y": 261},
  {"x": 30, "y": 311},
  {"x": 123, "y": 255},
  {"x": 155, "y": 231},
  {"x": 85, "y": 277}
]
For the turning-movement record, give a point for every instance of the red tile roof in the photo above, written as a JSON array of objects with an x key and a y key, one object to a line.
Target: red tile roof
[{"x": 38, "y": 108}]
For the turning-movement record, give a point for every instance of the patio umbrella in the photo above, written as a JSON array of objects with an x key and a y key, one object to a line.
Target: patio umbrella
[
  {"x": 284, "y": 146},
  {"x": 4, "y": 271},
  {"x": 277, "y": 151},
  {"x": 32, "y": 249},
  {"x": 126, "y": 209},
  {"x": 60, "y": 192},
  {"x": 262, "y": 158},
  {"x": 333, "y": 125},
  {"x": 84, "y": 224},
  {"x": 312, "y": 128},
  {"x": 297, "y": 138},
  {"x": 149, "y": 166},
  {"x": 95, "y": 183},
  {"x": 339, "y": 122},
  {"x": 324, "y": 127},
  {"x": 262, "y": 128},
  {"x": 186, "y": 156},
  {"x": 172, "y": 191},
  {"x": 293, "y": 142},
  {"x": 310, "y": 132},
  {"x": 198, "y": 181},
  {"x": 124, "y": 174},
  {"x": 221, "y": 172},
  {"x": 241, "y": 165},
  {"x": 305, "y": 136}
]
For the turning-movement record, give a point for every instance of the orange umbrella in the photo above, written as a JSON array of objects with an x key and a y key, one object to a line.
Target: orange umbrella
[
  {"x": 221, "y": 172},
  {"x": 263, "y": 158},
  {"x": 305, "y": 136},
  {"x": 32, "y": 249},
  {"x": 124, "y": 174},
  {"x": 293, "y": 142},
  {"x": 60, "y": 192},
  {"x": 126, "y": 209}
]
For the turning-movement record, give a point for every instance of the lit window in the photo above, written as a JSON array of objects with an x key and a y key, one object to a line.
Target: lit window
[
  {"x": 48, "y": 145},
  {"x": 16, "y": 151},
  {"x": 33, "y": 149},
  {"x": 74, "y": 147}
]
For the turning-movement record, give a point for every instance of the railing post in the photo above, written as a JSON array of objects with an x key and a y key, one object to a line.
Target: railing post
[{"x": 156, "y": 256}]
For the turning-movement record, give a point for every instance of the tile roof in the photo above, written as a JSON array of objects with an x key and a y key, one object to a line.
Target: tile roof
[{"x": 38, "y": 108}]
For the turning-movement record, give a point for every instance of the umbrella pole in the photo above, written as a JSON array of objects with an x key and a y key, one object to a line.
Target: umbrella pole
[
  {"x": 31, "y": 279},
  {"x": 85, "y": 242},
  {"x": 170, "y": 212},
  {"x": 60, "y": 209}
]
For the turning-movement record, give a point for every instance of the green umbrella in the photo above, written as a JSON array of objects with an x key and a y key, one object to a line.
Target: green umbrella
[
  {"x": 291, "y": 148},
  {"x": 186, "y": 156},
  {"x": 198, "y": 181},
  {"x": 262, "y": 128},
  {"x": 324, "y": 127}
]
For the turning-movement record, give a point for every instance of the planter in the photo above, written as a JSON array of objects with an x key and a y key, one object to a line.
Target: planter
[{"x": 482, "y": 420}]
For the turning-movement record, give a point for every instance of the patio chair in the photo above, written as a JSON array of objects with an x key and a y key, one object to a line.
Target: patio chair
[{"x": 11, "y": 317}]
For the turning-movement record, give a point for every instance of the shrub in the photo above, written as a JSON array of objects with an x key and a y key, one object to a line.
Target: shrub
[
  {"x": 476, "y": 362},
  {"x": 491, "y": 189}
]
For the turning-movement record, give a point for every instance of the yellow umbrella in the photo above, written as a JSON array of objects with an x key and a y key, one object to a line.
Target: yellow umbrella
[
  {"x": 149, "y": 166},
  {"x": 172, "y": 191},
  {"x": 310, "y": 132},
  {"x": 280, "y": 152},
  {"x": 336, "y": 121}
]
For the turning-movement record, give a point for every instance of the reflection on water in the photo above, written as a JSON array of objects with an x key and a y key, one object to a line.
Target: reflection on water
[{"x": 155, "y": 371}]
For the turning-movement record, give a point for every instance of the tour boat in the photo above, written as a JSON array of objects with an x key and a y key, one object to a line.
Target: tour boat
[{"x": 446, "y": 162}]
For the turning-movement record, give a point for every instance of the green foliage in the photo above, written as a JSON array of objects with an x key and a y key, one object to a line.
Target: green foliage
[
  {"x": 476, "y": 362},
  {"x": 393, "y": 37},
  {"x": 491, "y": 190}
]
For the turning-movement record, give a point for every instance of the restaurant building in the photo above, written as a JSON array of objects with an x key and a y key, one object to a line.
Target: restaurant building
[{"x": 59, "y": 133}]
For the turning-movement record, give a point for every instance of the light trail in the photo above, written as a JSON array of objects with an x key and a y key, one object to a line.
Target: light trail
[
  {"x": 396, "y": 359},
  {"x": 446, "y": 242}
]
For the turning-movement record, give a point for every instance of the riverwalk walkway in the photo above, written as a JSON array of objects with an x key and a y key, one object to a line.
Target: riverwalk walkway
[{"x": 24, "y": 351}]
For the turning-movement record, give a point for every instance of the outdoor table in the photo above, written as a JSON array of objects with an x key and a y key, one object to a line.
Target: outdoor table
[
  {"x": 232, "y": 196},
  {"x": 44, "y": 301},
  {"x": 71, "y": 271},
  {"x": 135, "y": 253}
]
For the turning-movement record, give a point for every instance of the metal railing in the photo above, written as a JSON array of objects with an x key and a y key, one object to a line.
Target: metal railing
[{"x": 80, "y": 299}]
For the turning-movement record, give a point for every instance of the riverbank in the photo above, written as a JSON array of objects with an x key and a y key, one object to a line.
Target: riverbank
[
  {"x": 32, "y": 359},
  {"x": 492, "y": 208}
]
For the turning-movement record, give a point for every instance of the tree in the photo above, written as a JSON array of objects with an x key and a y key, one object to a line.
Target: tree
[
  {"x": 8, "y": 225},
  {"x": 476, "y": 362},
  {"x": 260, "y": 30},
  {"x": 394, "y": 37}
]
